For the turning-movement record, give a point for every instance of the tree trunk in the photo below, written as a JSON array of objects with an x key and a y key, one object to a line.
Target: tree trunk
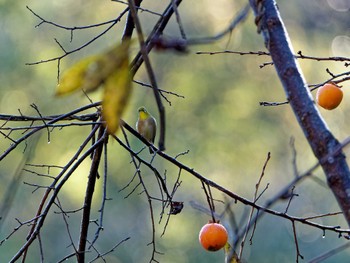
[{"x": 324, "y": 145}]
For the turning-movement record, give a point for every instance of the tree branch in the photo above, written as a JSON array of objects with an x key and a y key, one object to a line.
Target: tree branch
[
  {"x": 315, "y": 129},
  {"x": 226, "y": 191},
  {"x": 150, "y": 73},
  {"x": 88, "y": 196}
]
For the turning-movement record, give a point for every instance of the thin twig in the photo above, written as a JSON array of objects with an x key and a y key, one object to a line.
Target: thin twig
[
  {"x": 266, "y": 207},
  {"x": 150, "y": 73},
  {"x": 104, "y": 197},
  {"x": 296, "y": 243},
  {"x": 45, "y": 204},
  {"x": 252, "y": 208}
]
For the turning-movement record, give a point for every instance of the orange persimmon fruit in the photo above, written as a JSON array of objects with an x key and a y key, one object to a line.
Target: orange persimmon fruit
[
  {"x": 329, "y": 96},
  {"x": 213, "y": 236}
]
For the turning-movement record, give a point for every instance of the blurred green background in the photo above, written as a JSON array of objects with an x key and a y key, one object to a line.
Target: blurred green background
[{"x": 219, "y": 121}]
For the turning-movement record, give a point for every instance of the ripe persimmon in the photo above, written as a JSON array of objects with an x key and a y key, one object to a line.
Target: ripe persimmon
[
  {"x": 213, "y": 236},
  {"x": 329, "y": 96}
]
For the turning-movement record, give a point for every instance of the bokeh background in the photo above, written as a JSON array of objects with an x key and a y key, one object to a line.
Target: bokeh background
[{"x": 219, "y": 121}]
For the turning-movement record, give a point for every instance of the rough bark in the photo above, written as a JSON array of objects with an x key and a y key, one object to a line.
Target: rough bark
[{"x": 325, "y": 146}]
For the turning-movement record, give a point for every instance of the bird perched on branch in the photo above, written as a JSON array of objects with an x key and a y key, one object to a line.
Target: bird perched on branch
[{"x": 146, "y": 125}]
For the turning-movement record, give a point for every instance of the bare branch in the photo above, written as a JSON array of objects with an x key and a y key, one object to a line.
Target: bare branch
[
  {"x": 150, "y": 73},
  {"x": 240, "y": 198},
  {"x": 320, "y": 138},
  {"x": 296, "y": 243},
  {"x": 102, "y": 135}
]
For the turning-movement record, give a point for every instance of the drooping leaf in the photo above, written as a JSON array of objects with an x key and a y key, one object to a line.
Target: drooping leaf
[
  {"x": 110, "y": 68},
  {"x": 115, "y": 57},
  {"x": 76, "y": 77},
  {"x": 117, "y": 91},
  {"x": 89, "y": 73}
]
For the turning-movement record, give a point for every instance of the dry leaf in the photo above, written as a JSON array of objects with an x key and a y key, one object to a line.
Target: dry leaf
[
  {"x": 89, "y": 73},
  {"x": 75, "y": 77},
  {"x": 117, "y": 91}
]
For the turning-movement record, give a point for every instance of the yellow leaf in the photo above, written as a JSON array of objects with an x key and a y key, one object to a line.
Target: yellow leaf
[
  {"x": 115, "y": 57},
  {"x": 89, "y": 73},
  {"x": 117, "y": 91},
  {"x": 75, "y": 77}
]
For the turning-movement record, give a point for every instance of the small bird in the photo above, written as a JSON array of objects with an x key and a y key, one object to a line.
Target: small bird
[{"x": 146, "y": 125}]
